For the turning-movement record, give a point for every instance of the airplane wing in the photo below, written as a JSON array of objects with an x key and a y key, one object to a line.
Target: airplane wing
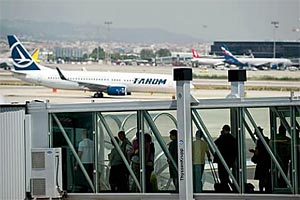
[
  {"x": 219, "y": 63},
  {"x": 89, "y": 86},
  {"x": 94, "y": 87}
]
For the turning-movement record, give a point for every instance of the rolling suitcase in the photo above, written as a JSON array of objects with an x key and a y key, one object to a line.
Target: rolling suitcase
[{"x": 217, "y": 186}]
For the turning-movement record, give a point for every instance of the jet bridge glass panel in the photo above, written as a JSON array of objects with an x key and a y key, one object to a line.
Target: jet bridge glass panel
[
  {"x": 78, "y": 127},
  {"x": 267, "y": 167},
  {"x": 102, "y": 127}
]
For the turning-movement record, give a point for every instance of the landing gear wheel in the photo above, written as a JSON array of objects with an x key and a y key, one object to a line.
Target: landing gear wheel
[{"x": 98, "y": 95}]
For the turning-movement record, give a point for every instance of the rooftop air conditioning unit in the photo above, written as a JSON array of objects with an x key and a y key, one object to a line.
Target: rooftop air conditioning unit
[{"x": 46, "y": 173}]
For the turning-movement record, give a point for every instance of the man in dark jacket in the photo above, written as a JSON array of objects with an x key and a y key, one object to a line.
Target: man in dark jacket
[
  {"x": 227, "y": 146},
  {"x": 263, "y": 163},
  {"x": 282, "y": 145},
  {"x": 173, "y": 149}
]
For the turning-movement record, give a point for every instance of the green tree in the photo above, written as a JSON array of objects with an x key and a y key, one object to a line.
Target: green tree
[
  {"x": 50, "y": 57},
  {"x": 163, "y": 53},
  {"x": 100, "y": 53},
  {"x": 85, "y": 56},
  {"x": 147, "y": 54},
  {"x": 116, "y": 56}
]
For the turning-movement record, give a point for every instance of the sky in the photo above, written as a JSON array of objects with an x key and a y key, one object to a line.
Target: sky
[{"x": 209, "y": 20}]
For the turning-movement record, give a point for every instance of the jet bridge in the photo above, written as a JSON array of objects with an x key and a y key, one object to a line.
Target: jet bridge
[{"x": 60, "y": 126}]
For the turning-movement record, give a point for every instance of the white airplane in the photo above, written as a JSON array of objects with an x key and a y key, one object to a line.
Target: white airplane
[
  {"x": 112, "y": 83},
  {"x": 213, "y": 61},
  {"x": 8, "y": 61},
  {"x": 256, "y": 62}
]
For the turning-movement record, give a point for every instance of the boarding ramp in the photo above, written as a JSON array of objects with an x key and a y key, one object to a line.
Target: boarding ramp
[{"x": 103, "y": 121}]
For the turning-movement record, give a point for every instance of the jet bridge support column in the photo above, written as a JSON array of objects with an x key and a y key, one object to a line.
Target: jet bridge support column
[
  {"x": 237, "y": 79},
  {"x": 183, "y": 76}
]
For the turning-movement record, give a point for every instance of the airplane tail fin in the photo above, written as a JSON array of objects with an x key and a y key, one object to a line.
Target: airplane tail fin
[
  {"x": 195, "y": 54},
  {"x": 226, "y": 51},
  {"x": 229, "y": 57},
  {"x": 22, "y": 60}
]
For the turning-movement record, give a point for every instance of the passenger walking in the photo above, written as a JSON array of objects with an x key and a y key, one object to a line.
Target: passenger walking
[
  {"x": 117, "y": 176},
  {"x": 125, "y": 145},
  {"x": 173, "y": 149},
  {"x": 262, "y": 160},
  {"x": 86, "y": 155},
  {"x": 227, "y": 145},
  {"x": 135, "y": 161},
  {"x": 282, "y": 145},
  {"x": 200, "y": 148},
  {"x": 149, "y": 161},
  {"x": 126, "y": 149}
]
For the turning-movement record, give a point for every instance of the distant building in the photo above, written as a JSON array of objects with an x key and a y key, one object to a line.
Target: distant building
[
  {"x": 259, "y": 49},
  {"x": 176, "y": 59},
  {"x": 69, "y": 54},
  {"x": 182, "y": 54}
]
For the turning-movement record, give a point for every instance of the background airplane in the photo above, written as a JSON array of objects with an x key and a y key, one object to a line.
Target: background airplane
[
  {"x": 112, "y": 83},
  {"x": 212, "y": 61},
  {"x": 256, "y": 62}
]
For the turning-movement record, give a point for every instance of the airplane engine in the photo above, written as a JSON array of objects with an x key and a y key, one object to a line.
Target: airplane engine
[{"x": 116, "y": 90}]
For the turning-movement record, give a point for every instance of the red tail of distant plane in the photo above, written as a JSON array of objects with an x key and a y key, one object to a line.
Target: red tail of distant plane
[{"x": 195, "y": 54}]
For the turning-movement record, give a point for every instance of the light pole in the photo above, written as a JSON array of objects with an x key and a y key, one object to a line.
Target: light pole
[
  {"x": 107, "y": 54},
  {"x": 296, "y": 30},
  {"x": 205, "y": 40},
  {"x": 98, "y": 32},
  {"x": 276, "y": 25}
]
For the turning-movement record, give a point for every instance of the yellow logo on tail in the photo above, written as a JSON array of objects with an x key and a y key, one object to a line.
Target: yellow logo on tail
[{"x": 35, "y": 55}]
